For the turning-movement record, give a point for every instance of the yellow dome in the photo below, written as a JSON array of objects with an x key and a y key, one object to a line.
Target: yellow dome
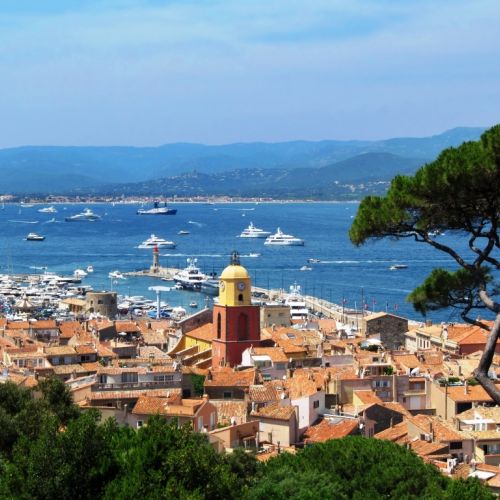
[{"x": 234, "y": 272}]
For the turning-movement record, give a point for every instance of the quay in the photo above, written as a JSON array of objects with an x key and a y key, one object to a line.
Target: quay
[{"x": 164, "y": 273}]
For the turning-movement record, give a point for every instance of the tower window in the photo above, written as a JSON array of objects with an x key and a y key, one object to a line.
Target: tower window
[
  {"x": 240, "y": 297},
  {"x": 219, "y": 326}
]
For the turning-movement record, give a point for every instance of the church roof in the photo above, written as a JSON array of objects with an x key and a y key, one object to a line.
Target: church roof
[{"x": 234, "y": 272}]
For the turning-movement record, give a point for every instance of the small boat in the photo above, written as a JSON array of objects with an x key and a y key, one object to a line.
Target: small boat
[
  {"x": 86, "y": 215},
  {"x": 90, "y": 269},
  {"x": 182, "y": 232},
  {"x": 254, "y": 232},
  {"x": 282, "y": 239},
  {"x": 395, "y": 267},
  {"x": 193, "y": 304},
  {"x": 157, "y": 210},
  {"x": 34, "y": 237},
  {"x": 48, "y": 210},
  {"x": 306, "y": 268},
  {"x": 117, "y": 275},
  {"x": 25, "y": 205},
  {"x": 254, "y": 254},
  {"x": 313, "y": 261},
  {"x": 154, "y": 241}
]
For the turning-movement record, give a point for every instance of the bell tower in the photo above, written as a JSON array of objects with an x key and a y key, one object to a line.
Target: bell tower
[{"x": 236, "y": 321}]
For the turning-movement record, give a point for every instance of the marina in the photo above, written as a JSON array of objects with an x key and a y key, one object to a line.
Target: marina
[{"x": 337, "y": 271}]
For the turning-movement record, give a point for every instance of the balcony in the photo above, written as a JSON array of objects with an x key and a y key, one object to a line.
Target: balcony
[{"x": 127, "y": 386}]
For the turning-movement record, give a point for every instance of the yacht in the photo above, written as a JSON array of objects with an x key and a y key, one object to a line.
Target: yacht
[
  {"x": 79, "y": 273},
  {"x": 48, "y": 210},
  {"x": 34, "y": 237},
  {"x": 210, "y": 287},
  {"x": 297, "y": 304},
  {"x": 280, "y": 238},
  {"x": 86, "y": 215},
  {"x": 157, "y": 210},
  {"x": 306, "y": 268},
  {"x": 183, "y": 232},
  {"x": 191, "y": 277},
  {"x": 254, "y": 232},
  {"x": 155, "y": 241},
  {"x": 117, "y": 275},
  {"x": 90, "y": 269}
]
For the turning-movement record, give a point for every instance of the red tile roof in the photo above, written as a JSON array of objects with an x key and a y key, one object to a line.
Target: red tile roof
[
  {"x": 328, "y": 429},
  {"x": 227, "y": 377}
]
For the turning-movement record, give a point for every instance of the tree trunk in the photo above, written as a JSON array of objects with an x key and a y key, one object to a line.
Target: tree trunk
[{"x": 481, "y": 372}]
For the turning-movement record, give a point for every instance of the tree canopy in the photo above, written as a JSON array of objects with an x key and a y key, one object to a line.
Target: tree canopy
[{"x": 459, "y": 192}]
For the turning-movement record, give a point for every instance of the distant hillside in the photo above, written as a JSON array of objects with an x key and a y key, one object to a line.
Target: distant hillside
[
  {"x": 348, "y": 179},
  {"x": 52, "y": 169}
]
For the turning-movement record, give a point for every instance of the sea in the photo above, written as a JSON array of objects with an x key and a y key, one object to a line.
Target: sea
[{"x": 357, "y": 277}]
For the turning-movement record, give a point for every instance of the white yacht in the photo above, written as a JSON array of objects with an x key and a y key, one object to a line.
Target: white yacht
[
  {"x": 117, "y": 275},
  {"x": 297, "y": 304},
  {"x": 191, "y": 277},
  {"x": 254, "y": 232},
  {"x": 34, "y": 237},
  {"x": 79, "y": 273},
  {"x": 86, "y": 215},
  {"x": 155, "y": 241},
  {"x": 280, "y": 238},
  {"x": 48, "y": 210}
]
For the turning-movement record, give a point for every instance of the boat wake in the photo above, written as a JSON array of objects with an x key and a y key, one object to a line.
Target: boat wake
[
  {"x": 24, "y": 221},
  {"x": 199, "y": 224},
  {"x": 218, "y": 255}
]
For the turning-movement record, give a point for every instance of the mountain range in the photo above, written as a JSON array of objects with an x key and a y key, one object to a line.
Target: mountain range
[{"x": 297, "y": 169}]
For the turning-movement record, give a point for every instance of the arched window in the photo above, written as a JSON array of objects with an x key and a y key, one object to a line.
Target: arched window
[
  {"x": 219, "y": 326},
  {"x": 243, "y": 327},
  {"x": 240, "y": 297}
]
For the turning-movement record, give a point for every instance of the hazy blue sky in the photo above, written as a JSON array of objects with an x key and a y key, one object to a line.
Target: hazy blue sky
[{"x": 151, "y": 72}]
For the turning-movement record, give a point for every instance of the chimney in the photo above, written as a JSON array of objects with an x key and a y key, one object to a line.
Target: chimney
[{"x": 466, "y": 387}]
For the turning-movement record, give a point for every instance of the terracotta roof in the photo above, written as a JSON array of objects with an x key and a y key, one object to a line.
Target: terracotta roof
[
  {"x": 150, "y": 405},
  {"x": 227, "y": 377},
  {"x": 304, "y": 383},
  {"x": 48, "y": 324},
  {"x": 131, "y": 394},
  {"x": 424, "y": 448},
  {"x": 406, "y": 360},
  {"x": 275, "y": 411},
  {"x": 367, "y": 397},
  {"x": 69, "y": 369},
  {"x": 397, "y": 407},
  {"x": 18, "y": 325},
  {"x": 486, "y": 412},
  {"x": 263, "y": 393},
  {"x": 62, "y": 350},
  {"x": 69, "y": 329},
  {"x": 327, "y": 429},
  {"x": 126, "y": 326},
  {"x": 85, "y": 349},
  {"x": 443, "y": 431},
  {"x": 204, "y": 332},
  {"x": 395, "y": 433},
  {"x": 461, "y": 394},
  {"x": 276, "y": 354},
  {"x": 228, "y": 409}
]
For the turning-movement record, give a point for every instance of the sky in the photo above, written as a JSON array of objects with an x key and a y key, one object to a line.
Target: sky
[{"x": 151, "y": 72}]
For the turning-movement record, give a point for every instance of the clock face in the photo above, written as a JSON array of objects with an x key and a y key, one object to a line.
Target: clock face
[
  {"x": 222, "y": 285},
  {"x": 241, "y": 286}
]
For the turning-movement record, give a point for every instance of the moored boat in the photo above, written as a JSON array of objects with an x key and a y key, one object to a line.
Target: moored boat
[
  {"x": 157, "y": 210},
  {"x": 280, "y": 238}
]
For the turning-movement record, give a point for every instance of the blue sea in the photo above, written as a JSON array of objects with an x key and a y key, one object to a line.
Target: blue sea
[{"x": 359, "y": 276}]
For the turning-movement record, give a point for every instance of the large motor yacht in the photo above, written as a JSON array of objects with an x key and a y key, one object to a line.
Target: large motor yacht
[
  {"x": 280, "y": 238},
  {"x": 86, "y": 215},
  {"x": 191, "y": 277},
  {"x": 48, "y": 210},
  {"x": 157, "y": 210},
  {"x": 254, "y": 232},
  {"x": 297, "y": 304},
  {"x": 155, "y": 241}
]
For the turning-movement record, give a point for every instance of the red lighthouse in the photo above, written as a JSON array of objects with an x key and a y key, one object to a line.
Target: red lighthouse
[{"x": 236, "y": 321}]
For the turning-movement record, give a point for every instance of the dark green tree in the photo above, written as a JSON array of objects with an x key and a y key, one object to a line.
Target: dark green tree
[
  {"x": 459, "y": 193},
  {"x": 162, "y": 460},
  {"x": 357, "y": 468}
]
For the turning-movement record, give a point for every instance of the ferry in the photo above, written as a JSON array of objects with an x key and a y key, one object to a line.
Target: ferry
[
  {"x": 157, "y": 210},
  {"x": 280, "y": 238},
  {"x": 254, "y": 232}
]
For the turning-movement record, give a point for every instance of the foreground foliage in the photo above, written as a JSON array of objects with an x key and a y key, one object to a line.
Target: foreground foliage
[{"x": 49, "y": 449}]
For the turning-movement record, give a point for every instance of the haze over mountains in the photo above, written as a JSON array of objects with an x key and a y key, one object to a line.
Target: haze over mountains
[{"x": 297, "y": 169}]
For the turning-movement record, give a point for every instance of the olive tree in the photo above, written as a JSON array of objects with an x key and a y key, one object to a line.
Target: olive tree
[{"x": 459, "y": 193}]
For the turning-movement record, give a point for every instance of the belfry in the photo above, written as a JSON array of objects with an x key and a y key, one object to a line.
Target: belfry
[{"x": 236, "y": 321}]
